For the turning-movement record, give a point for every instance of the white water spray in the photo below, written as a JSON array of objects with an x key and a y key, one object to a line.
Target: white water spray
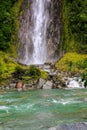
[
  {"x": 40, "y": 18},
  {"x": 33, "y": 34}
]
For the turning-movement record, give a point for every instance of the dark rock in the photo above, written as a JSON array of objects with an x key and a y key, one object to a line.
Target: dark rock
[
  {"x": 76, "y": 126},
  {"x": 54, "y": 29}
]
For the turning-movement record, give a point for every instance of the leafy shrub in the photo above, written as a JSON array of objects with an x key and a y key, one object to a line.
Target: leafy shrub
[
  {"x": 2, "y": 68},
  {"x": 19, "y": 72},
  {"x": 7, "y": 22},
  {"x": 84, "y": 77},
  {"x": 75, "y": 25},
  {"x": 82, "y": 64},
  {"x": 33, "y": 71}
]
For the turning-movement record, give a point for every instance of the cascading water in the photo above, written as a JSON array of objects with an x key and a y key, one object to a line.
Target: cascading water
[
  {"x": 44, "y": 110},
  {"x": 39, "y": 31},
  {"x": 34, "y": 49},
  {"x": 40, "y": 28}
]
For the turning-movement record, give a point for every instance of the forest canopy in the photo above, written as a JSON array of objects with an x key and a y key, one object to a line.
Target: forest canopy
[{"x": 6, "y": 23}]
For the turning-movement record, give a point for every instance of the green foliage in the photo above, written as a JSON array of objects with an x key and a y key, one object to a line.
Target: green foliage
[
  {"x": 2, "y": 68},
  {"x": 28, "y": 73},
  {"x": 6, "y": 23},
  {"x": 82, "y": 64},
  {"x": 16, "y": 13},
  {"x": 78, "y": 20},
  {"x": 72, "y": 62},
  {"x": 44, "y": 74},
  {"x": 8, "y": 18},
  {"x": 18, "y": 72},
  {"x": 84, "y": 77},
  {"x": 33, "y": 71},
  {"x": 65, "y": 33},
  {"x": 7, "y": 65},
  {"x": 75, "y": 25}
]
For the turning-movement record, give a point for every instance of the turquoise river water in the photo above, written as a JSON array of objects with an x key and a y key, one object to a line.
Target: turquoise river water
[{"x": 42, "y": 109}]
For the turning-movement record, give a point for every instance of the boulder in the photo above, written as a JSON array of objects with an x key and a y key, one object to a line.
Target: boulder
[
  {"x": 75, "y": 126},
  {"x": 53, "y": 128},
  {"x": 41, "y": 82},
  {"x": 48, "y": 85},
  {"x": 7, "y": 88},
  {"x": 85, "y": 99},
  {"x": 12, "y": 85},
  {"x": 24, "y": 88},
  {"x": 19, "y": 85}
]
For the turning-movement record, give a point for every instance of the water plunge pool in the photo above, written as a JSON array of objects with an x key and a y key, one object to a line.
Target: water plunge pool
[{"x": 42, "y": 109}]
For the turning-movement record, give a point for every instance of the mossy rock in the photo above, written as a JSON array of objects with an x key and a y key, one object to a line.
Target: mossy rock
[{"x": 72, "y": 62}]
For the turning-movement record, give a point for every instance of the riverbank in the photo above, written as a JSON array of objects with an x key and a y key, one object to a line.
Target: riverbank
[
  {"x": 32, "y": 79},
  {"x": 72, "y": 67}
]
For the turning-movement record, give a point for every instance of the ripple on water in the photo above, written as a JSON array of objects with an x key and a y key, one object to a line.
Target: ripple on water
[
  {"x": 4, "y": 108},
  {"x": 64, "y": 102},
  {"x": 38, "y": 112}
]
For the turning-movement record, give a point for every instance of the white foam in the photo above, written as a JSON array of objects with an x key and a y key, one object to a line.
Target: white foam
[
  {"x": 64, "y": 102},
  {"x": 3, "y": 108}
]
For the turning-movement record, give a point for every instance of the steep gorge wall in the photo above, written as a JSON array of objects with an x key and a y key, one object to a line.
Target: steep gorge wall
[{"x": 54, "y": 30}]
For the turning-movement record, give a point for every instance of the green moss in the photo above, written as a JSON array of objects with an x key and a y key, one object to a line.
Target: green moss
[
  {"x": 44, "y": 74},
  {"x": 29, "y": 79},
  {"x": 34, "y": 72},
  {"x": 7, "y": 66},
  {"x": 84, "y": 77},
  {"x": 74, "y": 34},
  {"x": 65, "y": 33},
  {"x": 14, "y": 37},
  {"x": 72, "y": 62},
  {"x": 10, "y": 69}
]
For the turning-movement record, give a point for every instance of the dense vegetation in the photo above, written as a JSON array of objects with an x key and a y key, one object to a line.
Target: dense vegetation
[
  {"x": 6, "y": 23},
  {"x": 9, "y": 24},
  {"x": 75, "y": 25},
  {"x": 73, "y": 62},
  {"x": 10, "y": 69},
  {"x": 74, "y": 39}
]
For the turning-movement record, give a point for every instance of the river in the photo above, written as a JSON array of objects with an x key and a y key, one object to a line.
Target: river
[{"x": 42, "y": 109}]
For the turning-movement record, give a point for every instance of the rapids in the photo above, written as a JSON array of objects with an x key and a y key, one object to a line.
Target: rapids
[{"x": 42, "y": 109}]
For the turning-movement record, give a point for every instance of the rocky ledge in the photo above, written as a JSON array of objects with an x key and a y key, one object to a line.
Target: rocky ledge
[{"x": 55, "y": 80}]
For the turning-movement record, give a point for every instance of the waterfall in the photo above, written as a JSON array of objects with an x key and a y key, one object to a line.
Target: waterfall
[
  {"x": 33, "y": 39},
  {"x": 39, "y": 33}
]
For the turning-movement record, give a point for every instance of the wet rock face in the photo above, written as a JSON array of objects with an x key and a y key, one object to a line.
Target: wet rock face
[
  {"x": 54, "y": 29},
  {"x": 53, "y": 33},
  {"x": 25, "y": 32}
]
